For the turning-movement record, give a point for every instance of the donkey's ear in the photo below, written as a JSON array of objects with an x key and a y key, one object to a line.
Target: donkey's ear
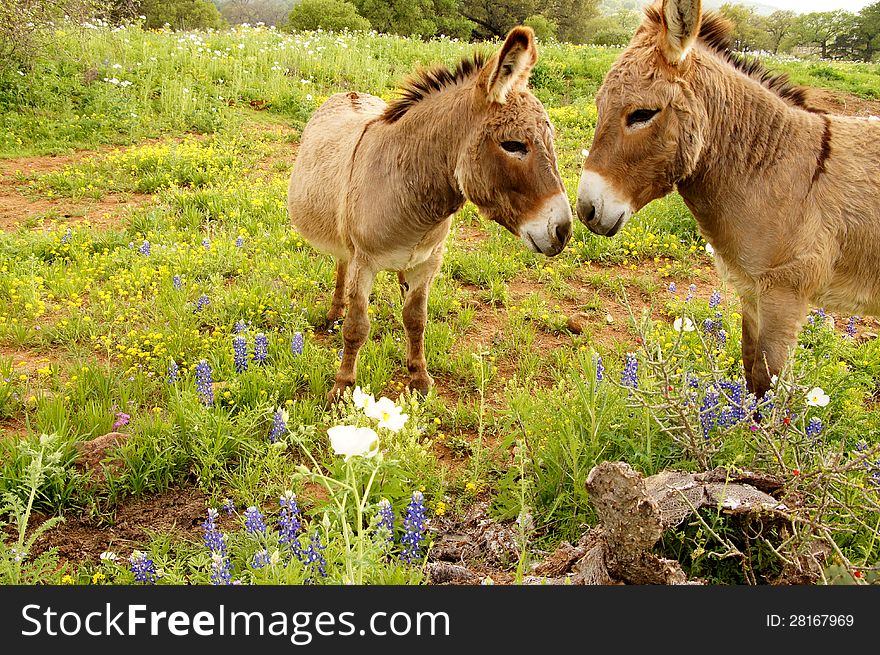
[
  {"x": 681, "y": 26},
  {"x": 513, "y": 64}
]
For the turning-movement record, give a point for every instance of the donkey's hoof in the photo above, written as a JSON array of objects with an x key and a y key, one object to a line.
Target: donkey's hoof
[
  {"x": 336, "y": 392},
  {"x": 421, "y": 384},
  {"x": 335, "y": 314}
]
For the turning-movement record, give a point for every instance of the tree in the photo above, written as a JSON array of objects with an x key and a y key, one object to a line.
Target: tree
[
  {"x": 269, "y": 12},
  {"x": 572, "y": 17},
  {"x": 334, "y": 15},
  {"x": 545, "y": 29},
  {"x": 780, "y": 24},
  {"x": 615, "y": 29},
  {"x": 822, "y": 28},
  {"x": 181, "y": 14},
  {"x": 749, "y": 29},
  {"x": 497, "y": 17},
  {"x": 869, "y": 31}
]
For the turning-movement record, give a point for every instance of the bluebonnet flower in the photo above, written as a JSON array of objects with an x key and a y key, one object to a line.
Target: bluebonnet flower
[
  {"x": 709, "y": 410},
  {"x": 221, "y": 569},
  {"x": 296, "y": 343},
  {"x": 289, "y": 523},
  {"x": 239, "y": 347},
  {"x": 176, "y": 281},
  {"x": 630, "y": 372},
  {"x": 817, "y": 316},
  {"x": 313, "y": 558},
  {"x": 851, "y": 326},
  {"x": 143, "y": 567},
  {"x": 239, "y": 242},
  {"x": 213, "y": 538},
  {"x": 814, "y": 427},
  {"x": 204, "y": 382},
  {"x": 692, "y": 289},
  {"x": 672, "y": 288},
  {"x": 145, "y": 248},
  {"x": 279, "y": 426},
  {"x": 340, "y": 353},
  {"x": 385, "y": 525},
  {"x": 261, "y": 348},
  {"x": 206, "y": 242},
  {"x": 228, "y": 506},
  {"x": 714, "y": 299},
  {"x": 67, "y": 235},
  {"x": 413, "y": 528},
  {"x": 261, "y": 559},
  {"x": 254, "y": 521},
  {"x": 240, "y": 326},
  {"x": 600, "y": 369},
  {"x": 202, "y": 302},
  {"x": 173, "y": 370}
]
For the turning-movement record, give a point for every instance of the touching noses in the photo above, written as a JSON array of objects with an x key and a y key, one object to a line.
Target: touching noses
[
  {"x": 550, "y": 229},
  {"x": 599, "y": 207}
]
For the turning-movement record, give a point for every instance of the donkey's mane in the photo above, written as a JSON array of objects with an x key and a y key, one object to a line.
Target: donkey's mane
[
  {"x": 427, "y": 80},
  {"x": 715, "y": 33}
]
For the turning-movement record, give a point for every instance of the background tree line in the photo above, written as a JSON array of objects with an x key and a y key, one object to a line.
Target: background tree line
[{"x": 828, "y": 35}]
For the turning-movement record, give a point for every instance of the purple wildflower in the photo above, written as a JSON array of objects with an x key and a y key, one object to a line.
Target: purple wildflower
[
  {"x": 279, "y": 426},
  {"x": 240, "y": 326},
  {"x": 214, "y": 540},
  {"x": 289, "y": 523},
  {"x": 239, "y": 242},
  {"x": 254, "y": 521},
  {"x": 228, "y": 506},
  {"x": 67, "y": 235},
  {"x": 814, "y": 427},
  {"x": 385, "y": 525},
  {"x": 204, "y": 382},
  {"x": 692, "y": 289},
  {"x": 261, "y": 559},
  {"x": 313, "y": 558},
  {"x": 121, "y": 419},
  {"x": 145, "y": 248},
  {"x": 413, "y": 528},
  {"x": 206, "y": 242},
  {"x": 851, "y": 326},
  {"x": 600, "y": 369},
  {"x": 202, "y": 302},
  {"x": 630, "y": 372},
  {"x": 239, "y": 347},
  {"x": 221, "y": 569},
  {"x": 143, "y": 567},
  {"x": 177, "y": 282},
  {"x": 672, "y": 288},
  {"x": 714, "y": 299},
  {"x": 261, "y": 348},
  {"x": 296, "y": 343},
  {"x": 173, "y": 370}
]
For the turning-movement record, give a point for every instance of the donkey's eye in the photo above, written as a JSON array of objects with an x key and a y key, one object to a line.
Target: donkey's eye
[
  {"x": 641, "y": 116},
  {"x": 515, "y": 147}
]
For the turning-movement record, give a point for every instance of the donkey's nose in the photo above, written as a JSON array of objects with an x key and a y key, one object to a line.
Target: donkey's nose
[
  {"x": 586, "y": 211},
  {"x": 563, "y": 232}
]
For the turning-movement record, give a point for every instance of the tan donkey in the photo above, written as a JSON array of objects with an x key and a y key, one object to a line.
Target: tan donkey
[
  {"x": 376, "y": 185},
  {"x": 788, "y": 196}
]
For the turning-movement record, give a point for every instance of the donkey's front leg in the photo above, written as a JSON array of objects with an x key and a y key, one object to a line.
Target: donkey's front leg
[
  {"x": 415, "y": 317},
  {"x": 749, "y": 340},
  {"x": 781, "y": 313},
  {"x": 356, "y": 326}
]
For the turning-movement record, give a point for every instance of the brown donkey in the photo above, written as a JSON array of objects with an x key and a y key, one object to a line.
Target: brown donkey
[
  {"x": 376, "y": 185},
  {"x": 788, "y": 196}
]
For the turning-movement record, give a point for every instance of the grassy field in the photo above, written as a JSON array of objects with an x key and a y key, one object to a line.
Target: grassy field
[{"x": 151, "y": 285}]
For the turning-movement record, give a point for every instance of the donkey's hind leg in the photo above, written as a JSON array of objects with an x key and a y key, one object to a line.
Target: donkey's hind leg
[
  {"x": 356, "y": 326},
  {"x": 337, "y": 306},
  {"x": 415, "y": 317}
]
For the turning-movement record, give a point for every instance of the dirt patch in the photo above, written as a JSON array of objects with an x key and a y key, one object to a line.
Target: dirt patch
[
  {"x": 846, "y": 104},
  {"x": 80, "y": 540}
]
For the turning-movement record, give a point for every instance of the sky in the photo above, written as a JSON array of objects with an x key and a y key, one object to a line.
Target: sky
[{"x": 807, "y": 6}]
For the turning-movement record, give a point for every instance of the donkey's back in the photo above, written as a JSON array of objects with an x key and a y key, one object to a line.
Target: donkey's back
[{"x": 321, "y": 172}]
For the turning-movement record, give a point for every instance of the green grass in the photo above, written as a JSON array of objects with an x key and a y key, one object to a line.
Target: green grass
[{"x": 92, "y": 318}]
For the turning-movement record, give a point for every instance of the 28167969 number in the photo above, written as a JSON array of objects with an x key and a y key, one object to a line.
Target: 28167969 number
[{"x": 810, "y": 621}]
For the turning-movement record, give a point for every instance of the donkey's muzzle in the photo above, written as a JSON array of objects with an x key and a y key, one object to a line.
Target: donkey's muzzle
[
  {"x": 549, "y": 231},
  {"x": 599, "y": 207}
]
